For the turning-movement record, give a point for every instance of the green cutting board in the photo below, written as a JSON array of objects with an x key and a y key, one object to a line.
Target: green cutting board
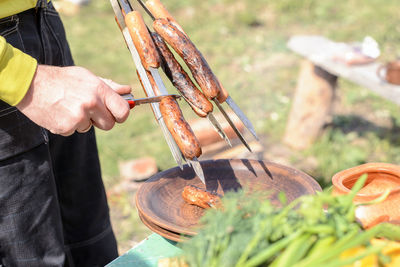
[{"x": 147, "y": 253}]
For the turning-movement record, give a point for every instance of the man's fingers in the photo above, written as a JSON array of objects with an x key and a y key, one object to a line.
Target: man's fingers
[
  {"x": 120, "y": 89},
  {"x": 118, "y": 106},
  {"x": 102, "y": 118},
  {"x": 84, "y": 129}
]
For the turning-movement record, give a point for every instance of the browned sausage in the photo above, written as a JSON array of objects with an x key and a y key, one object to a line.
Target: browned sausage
[
  {"x": 179, "y": 128},
  {"x": 181, "y": 80},
  {"x": 202, "y": 198},
  {"x": 175, "y": 122},
  {"x": 142, "y": 40},
  {"x": 158, "y": 10},
  {"x": 223, "y": 94},
  {"x": 193, "y": 58}
]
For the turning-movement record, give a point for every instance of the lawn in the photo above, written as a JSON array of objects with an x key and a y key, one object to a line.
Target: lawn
[{"x": 245, "y": 43}]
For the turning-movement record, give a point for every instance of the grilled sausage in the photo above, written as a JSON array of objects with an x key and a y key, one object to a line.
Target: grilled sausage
[
  {"x": 193, "y": 58},
  {"x": 158, "y": 10},
  {"x": 142, "y": 40},
  {"x": 181, "y": 80},
  {"x": 179, "y": 128},
  {"x": 176, "y": 124},
  {"x": 201, "y": 198},
  {"x": 223, "y": 94}
]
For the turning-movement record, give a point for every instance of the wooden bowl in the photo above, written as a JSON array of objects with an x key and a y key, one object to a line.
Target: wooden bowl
[
  {"x": 177, "y": 237},
  {"x": 381, "y": 177},
  {"x": 159, "y": 200}
]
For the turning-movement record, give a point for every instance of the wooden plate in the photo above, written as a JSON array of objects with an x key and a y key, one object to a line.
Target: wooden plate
[{"x": 159, "y": 199}]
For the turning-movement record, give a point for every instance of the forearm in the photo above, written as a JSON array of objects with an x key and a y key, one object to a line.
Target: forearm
[{"x": 16, "y": 73}]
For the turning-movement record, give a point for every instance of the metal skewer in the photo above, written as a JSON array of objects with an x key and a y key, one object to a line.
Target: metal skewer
[
  {"x": 194, "y": 163},
  {"x": 215, "y": 124},
  {"x": 176, "y": 153},
  {"x": 197, "y": 168},
  {"x": 126, "y": 6},
  {"x": 146, "y": 9},
  {"x": 247, "y": 123},
  {"x": 232, "y": 124},
  {"x": 230, "y": 102},
  {"x": 218, "y": 128}
]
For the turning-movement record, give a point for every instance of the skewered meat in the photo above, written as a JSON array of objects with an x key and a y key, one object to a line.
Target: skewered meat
[
  {"x": 179, "y": 128},
  {"x": 142, "y": 40},
  {"x": 181, "y": 80},
  {"x": 198, "y": 66}
]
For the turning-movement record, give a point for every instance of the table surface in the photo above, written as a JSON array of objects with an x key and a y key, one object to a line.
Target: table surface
[
  {"x": 319, "y": 50},
  {"x": 147, "y": 253}
]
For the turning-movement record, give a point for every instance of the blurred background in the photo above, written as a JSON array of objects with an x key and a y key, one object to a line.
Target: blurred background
[{"x": 245, "y": 44}]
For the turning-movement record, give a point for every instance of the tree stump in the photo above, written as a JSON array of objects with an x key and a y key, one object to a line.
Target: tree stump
[{"x": 312, "y": 103}]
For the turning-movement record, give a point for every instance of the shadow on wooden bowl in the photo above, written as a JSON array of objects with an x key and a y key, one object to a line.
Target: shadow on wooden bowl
[{"x": 159, "y": 200}]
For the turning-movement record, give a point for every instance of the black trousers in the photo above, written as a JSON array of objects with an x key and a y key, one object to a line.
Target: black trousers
[{"x": 53, "y": 207}]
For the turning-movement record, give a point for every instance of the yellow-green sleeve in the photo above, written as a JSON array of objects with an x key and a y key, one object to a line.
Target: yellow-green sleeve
[{"x": 16, "y": 73}]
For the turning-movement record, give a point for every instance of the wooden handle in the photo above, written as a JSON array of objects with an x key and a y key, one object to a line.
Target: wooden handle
[{"x": 142, "y": 40}]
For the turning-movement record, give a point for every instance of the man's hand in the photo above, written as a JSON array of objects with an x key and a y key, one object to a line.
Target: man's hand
[{"x": 68, "y": 99}]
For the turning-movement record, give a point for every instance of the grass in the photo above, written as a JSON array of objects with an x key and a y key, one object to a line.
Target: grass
[{"x": 245, "y": 43}]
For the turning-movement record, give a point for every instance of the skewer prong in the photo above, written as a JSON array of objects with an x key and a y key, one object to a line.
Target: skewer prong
[
  {"x": 218, "y": 128},
  {"x": 197, "y": 168},
  {"x": 232, "y": 125},
  {"x": 246, "y": 122}
]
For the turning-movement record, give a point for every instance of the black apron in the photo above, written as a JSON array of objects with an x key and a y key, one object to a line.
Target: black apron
[{"x": 53, "y": 207}]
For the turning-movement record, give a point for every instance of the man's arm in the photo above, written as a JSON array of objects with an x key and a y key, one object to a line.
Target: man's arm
[
  {"x": 60, "y": 99},
  {"x": 16, "y": 73}
]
